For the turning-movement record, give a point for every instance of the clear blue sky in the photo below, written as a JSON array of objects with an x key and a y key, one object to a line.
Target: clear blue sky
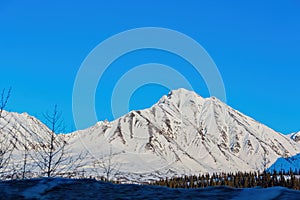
[{"x": 255, "y": 44}]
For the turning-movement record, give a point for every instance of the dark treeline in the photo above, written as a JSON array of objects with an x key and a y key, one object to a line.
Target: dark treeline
[{"x": 265, "y": 179}]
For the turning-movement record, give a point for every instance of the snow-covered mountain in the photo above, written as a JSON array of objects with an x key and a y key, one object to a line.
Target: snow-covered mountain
[
  {"x": 19, "y": 134},
  {"x": 295, "y": 136},
  {"x": 22, "y": 127},
  {"x": 290, "y": 163},
  {"x": 182, "y": 133}
]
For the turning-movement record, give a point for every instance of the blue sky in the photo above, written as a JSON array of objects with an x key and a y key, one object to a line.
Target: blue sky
[{"x": 254, "y": 44}]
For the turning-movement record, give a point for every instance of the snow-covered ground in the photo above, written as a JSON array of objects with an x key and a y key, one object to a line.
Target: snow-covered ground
[{"x": 49, "y": 188}]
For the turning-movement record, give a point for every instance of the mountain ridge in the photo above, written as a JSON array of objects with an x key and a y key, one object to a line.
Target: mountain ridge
[
  {"x": 181, "y": 124},
  {"x": 183, "y": 133}
]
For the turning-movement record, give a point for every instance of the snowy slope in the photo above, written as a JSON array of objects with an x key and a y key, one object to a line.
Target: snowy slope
[
  {"x": 23, "y": 127},
  {"x": 184, "y": 134},
  {"x": 22, "y": 131}
]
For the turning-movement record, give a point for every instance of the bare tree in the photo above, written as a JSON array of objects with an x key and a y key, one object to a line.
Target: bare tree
[
  {"x": 265, "y": 160},
  {"x": 25, "y": 162},
  {"x": 107, "y": 165},
  {"x": 4, "y": 100},
  {"x": 26, "y": 158},
  {"x": 51, "y": 155},
  {"x": 7, "y": 143},
  {"x": 10, "y": 142}
]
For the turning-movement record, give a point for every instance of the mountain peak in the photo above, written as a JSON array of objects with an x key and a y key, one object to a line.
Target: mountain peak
[
  {"x": 185, "y": 94},
  {"x": 182, "y": 92},
  {"x": 181, "y": 96}
]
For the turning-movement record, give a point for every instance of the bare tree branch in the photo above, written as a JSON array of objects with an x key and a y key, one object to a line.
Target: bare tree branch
[
  {"x": 109, "y": 167},
  {"x": 52, "y": 156},
  {"x": 4, "y": 100},
  {"x": 7, "y": 138}
]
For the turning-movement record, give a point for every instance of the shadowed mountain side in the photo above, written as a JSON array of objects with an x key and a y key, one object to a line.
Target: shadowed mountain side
[{"x": 290, "y": 163}]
